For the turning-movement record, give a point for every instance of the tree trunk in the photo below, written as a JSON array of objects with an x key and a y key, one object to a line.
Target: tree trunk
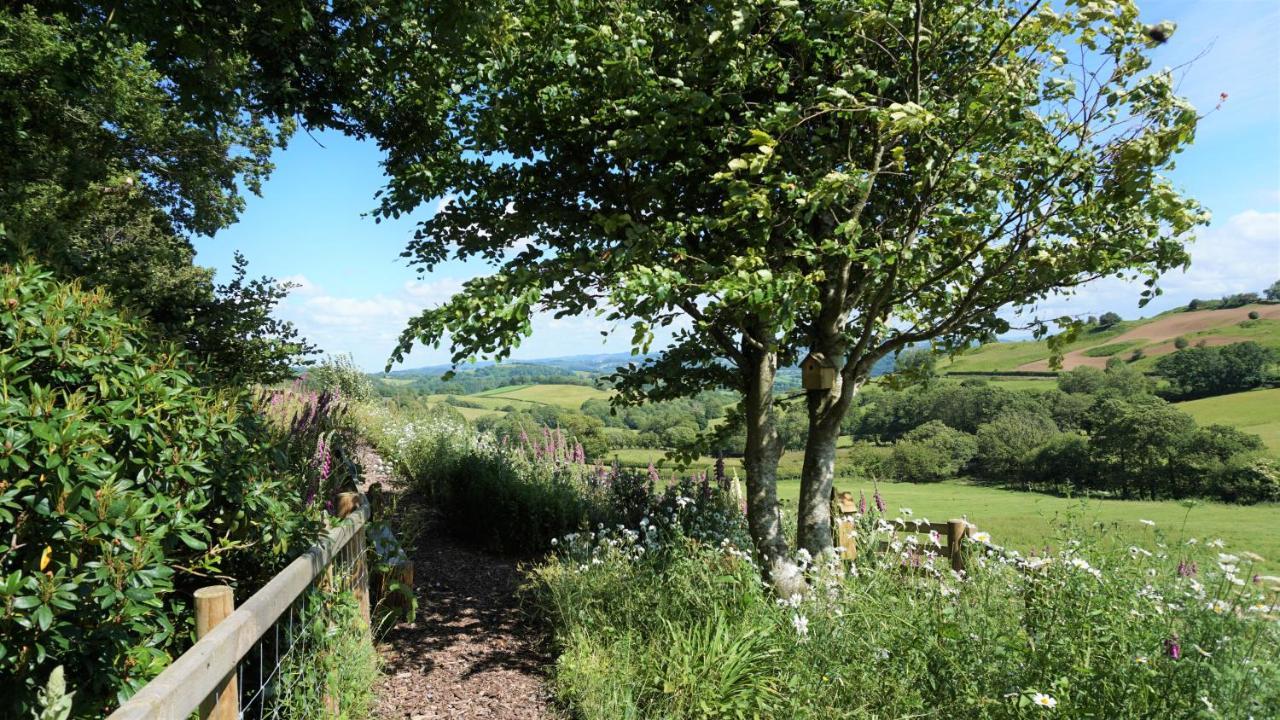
[
  {"x": 827, "y": 409},
  {"x": 763, "y": 450}
]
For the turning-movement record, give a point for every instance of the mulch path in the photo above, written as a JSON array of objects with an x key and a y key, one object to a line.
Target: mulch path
[{"x": 470, "y": 652}]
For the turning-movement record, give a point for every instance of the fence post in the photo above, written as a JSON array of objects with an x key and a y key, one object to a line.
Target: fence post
[
  {"x": 347, "y": 504},
  {"x": 957, "y": 530},
  {"x": 213, "y": 605}
]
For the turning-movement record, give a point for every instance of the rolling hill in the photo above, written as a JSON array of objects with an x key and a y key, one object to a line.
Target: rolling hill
[{"x": 1153, "y": 336}]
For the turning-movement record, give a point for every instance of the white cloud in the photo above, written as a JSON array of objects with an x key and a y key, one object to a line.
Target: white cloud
[{"x": 1240, "y": 254}]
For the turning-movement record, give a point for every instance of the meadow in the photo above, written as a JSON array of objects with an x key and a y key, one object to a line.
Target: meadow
[
  {"x": 1256, "y": 411},
  {"x": 1026, "y": 520}
]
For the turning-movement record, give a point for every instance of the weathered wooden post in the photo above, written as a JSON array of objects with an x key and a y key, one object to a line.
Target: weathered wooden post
[
  {"x": 957, "y": 531},
  {"x": 213, "y": 605},
  {"x": 348, "y": 502},
  {"x": 846, "y": 518}
]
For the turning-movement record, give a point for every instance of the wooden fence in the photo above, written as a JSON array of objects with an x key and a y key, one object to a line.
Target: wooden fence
[
  {"x": 951, "y": 537},
  {"x": 210, "y": 677}
]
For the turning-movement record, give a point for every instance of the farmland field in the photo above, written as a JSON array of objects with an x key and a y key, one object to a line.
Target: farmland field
[
  {"x": 566, "y": 396},
  {"x": 1025, "y": 520},
  {"x": 1256, "y": 411}
]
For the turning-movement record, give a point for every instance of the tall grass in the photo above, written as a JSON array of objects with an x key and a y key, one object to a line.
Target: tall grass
[{"x": 659, "y": 624}]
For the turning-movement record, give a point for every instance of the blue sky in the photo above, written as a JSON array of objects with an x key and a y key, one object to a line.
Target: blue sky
[{"x": 309, "y": 225}]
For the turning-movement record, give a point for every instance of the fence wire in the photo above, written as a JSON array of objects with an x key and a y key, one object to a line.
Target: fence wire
[{"x": 275, "y": 677}]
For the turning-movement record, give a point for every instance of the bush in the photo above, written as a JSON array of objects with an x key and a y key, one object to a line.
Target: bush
[
  {"x": 1254, "y": 315},
  {"x": 339, "y": 374},
  {"x": 921, "y": 462},
  {"x": 1248, "y": 480},
  {"x": 1006, "y": 444},
  {"x": 655, "y": 623},
  {"x": 1181, "y": 342},
  {"x": 126, "y": 486}
]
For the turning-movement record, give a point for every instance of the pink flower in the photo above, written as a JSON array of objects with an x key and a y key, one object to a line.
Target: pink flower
[{"x": 1175, "y": 650}]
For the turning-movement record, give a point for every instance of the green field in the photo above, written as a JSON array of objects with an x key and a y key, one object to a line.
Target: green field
[
  {"x": 566, "y": 396},
  {"x": 1256, "y": 411},
  {"x": 1027, "y": 520}
]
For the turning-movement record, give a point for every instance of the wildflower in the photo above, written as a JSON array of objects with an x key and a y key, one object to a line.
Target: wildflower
[
  {"x": 981, "y": 537},
  {"x": 1218, "y": 606},
  {"x": 1148, "y": 523},
  {"x": 905, "y": 511},
  {"x": 1174, "y": 649},
  {"x": 862, "y": 503},
  {"x": 1217, "y": 543},
  {"x": 1186, "y": 569},
  {"x": 880, "y": 506},
  {"x": 1135, "y": 551},
  {"x": 935, "y": 538},
  {"x": 1044, "y": 701},
  {"x": 801, "y": 624},
  {"x": 554, "y": 542},
  {"x": 1141, "y": 660}
]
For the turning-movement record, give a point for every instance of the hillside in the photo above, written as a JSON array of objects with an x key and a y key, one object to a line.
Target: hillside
[
  {"x": 1256, "y": 411},
  {"x": 1153, "y": 336}
]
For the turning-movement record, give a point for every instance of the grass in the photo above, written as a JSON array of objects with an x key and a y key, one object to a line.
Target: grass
[
  {"x": 1024, "y": 520},
  {"x": 999, "y": 356},
  {"x": 1109, "y": 349},
  {"x": 1255, "y": 411},
  {"x": 566, "y": 396}
]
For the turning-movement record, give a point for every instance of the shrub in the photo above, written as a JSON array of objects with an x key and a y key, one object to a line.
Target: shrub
[
  {"x": 1005, "y": 444},
  {"x": 655, "y": 623},
  {"x": 339, "y": 374},
  {"x": 1137, "y": 355},
  {"x": 1109, "y": 319},
  {"x": 1249, "y": 479},
  {"x": 1181, "y": 342},
  {"x": 921, "y": 462},
  {"x": 1254, "y": 315},
  {"x": 126, "y": 486}
]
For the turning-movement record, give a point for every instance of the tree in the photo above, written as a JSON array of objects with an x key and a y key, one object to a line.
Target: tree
[
  {"x": 125, "y": 127},
  {"x": 1272, "y": 293},
  {"x": 1139, "y": 442},
  {"x": 1108, "y": 319},
  {"x": 783, "y": 179},
  {"x": 1006, "y": 444},
  {"x": 1201, "y": 371}
]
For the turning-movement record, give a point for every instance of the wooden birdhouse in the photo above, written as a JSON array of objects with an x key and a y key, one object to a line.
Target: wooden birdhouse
[{"x": 817, "y": 372}]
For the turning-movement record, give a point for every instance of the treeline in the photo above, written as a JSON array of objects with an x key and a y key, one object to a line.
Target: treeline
[
  {"x": 470, "y": 382},
  {"x": 1100, "y": 432},
  {"x": 1202, "y": 371}
]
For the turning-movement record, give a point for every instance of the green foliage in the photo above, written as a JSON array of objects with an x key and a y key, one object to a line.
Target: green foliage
[
  {"x": 586, "y": 430},
  {"x": 125, "y": 486},
  {"x": 652, "y": 623},
  {"x": 1005, "y": 444},
  {"x": 1272, "y": 293},
  {"x": 931, "y": 452},
  {"x": 1108, "y": 319},
  {"x": 340, "y": 375},
  {"x": 1181, "y": 343},
  {"x": 54, "y": 702},
  {"x": 1205, "y": 371},
  {"x": 331, "y": 671},
  {"x": 1108, "y": 350}
]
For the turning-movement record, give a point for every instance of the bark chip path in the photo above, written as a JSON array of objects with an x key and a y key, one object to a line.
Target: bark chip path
[{"x": 469, "y": 652}]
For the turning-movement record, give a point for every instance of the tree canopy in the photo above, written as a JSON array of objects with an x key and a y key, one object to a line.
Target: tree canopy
[{"x": 765, "y": 179}]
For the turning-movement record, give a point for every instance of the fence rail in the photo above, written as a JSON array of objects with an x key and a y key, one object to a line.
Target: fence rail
[{"x": 200, "y": 678}]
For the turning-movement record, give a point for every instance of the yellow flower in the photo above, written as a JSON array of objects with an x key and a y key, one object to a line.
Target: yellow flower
[{"x": 45, "y": 557}]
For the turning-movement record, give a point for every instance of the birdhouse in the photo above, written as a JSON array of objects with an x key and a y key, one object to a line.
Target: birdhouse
[{"x": 817, "y": 372}]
